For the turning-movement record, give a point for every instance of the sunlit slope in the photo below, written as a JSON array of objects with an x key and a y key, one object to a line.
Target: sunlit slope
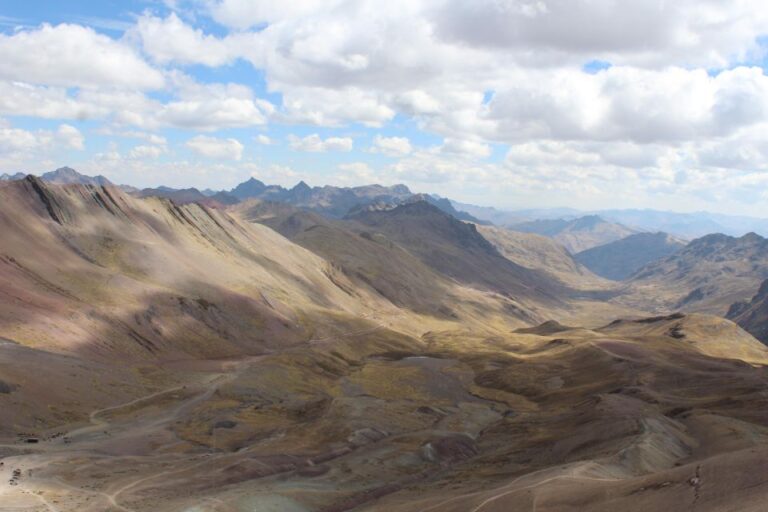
[
  {"x": 415, "y": 277},
  {"x": 709, "y": 335},
  {"x": 92, "y": 269},
  {"x": 539, "y": 252}
]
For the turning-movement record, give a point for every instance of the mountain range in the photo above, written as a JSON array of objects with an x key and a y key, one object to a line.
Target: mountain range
[
  {"x": 682, "y": 225},
  {"x": 619, "y": 259},
  {"x": 709, "y": 274},
  {"x": 578, "y": 234},
  {"x": 331, "y": 349}
]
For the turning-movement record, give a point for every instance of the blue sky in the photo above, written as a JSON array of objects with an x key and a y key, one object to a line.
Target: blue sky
[{"x": 510, "y": 103}]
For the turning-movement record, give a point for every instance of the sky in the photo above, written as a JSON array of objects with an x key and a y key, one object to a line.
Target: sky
[{"x": 588, "y": 104}]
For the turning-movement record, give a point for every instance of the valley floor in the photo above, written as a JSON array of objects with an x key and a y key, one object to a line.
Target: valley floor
[{"x": 635, "y": 416}]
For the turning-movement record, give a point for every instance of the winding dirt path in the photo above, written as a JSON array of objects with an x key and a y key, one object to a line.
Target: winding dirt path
[
  {"x": 505, "y": 489},
  {"x": 48, "y": 452}
]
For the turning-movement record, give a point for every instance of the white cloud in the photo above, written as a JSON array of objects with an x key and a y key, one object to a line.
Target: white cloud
[
  {"x": 333, "y": 107},
  {"x": 315, "y": 144},
  {"x": 466, "y": 147},
  {"x": 391, "y": 146},
  {"x": 151, "y": 138},
  {"x": 213, "y": 106},
  {"x": 625, "y": 103},
  {"x": 73, "y": 56},
  {"x": 21, "y": 99},
  {"x": 686, "y": 32},
  {"x": 37, "y": 150},
  {"x": 14, "y": 139},
  {"x": 17, "y": 140},
  {"x": 264, "y": 140},
  {"x": 146, "y": 151},
  {"x": 190, "y": 105},
  {"x": 171, "y": 40},
  {"x": 247, "y": 13},
  {"x": 70, "y": 137},
  {"x": 357, "y": 172},
  {"x": 678, "y": 109},
  {"x": 213, "y": 147}
]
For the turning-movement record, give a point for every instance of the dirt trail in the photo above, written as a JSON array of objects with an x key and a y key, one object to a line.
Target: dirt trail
[
  {"x": 575, "y": 472},
  {"x": 82, "y": 438}
]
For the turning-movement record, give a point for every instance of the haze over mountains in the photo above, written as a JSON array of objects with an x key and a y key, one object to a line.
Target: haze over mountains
[
  {"x": 579, "y": 234},
  {"x": 332, "y": 349},
  {"x": 683, "y": 225},
  {"x": 620, "y": 259}
]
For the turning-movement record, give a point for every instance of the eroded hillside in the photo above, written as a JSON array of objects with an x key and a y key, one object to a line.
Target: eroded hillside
[{"x": 164, "y": 357}]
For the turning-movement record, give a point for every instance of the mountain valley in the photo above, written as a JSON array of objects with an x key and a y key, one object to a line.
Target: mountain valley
[{"x": 188, "y": 355}]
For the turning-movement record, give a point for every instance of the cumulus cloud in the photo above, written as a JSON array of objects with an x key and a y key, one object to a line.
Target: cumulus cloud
[
  {"x": 677, "y": 105},
  {"x": 191, "y": 105},
  {"x": 707, "y": 34},
  {"x": 73, "y": 56},
  {"x": 169, "y": 39},
  {"x": 466, "y": 147},
  {"x": 242, "y": 14},
  {"x": 391, "y": 146},
  {"x": 624, "y": 103},
  {"x": 214, "y": 106},
  {"x": 146, "y": 151},
  {"x": 357, "y": 172},
  {"x": 213, "y": 147},
  {"x": 151, "y": 138},
  {"x": 315, "y": 144},
  {"x": 70, "y": 137},
  {"x": 16, "y": 140}
]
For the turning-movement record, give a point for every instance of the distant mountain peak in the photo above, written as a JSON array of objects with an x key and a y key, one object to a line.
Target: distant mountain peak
[
  {"x": 579, "y": 234},
  {"x": 619, "y": 259},
  {"x": 12, "y": 177},
  {"x": 301, "y": 186},
  {"x": 752, "y": 237},
  {"x": 400, "y": 189},
  {"x": 69, "y": 176}
]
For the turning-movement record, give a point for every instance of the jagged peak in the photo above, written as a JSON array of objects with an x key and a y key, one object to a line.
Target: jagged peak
[{"x": 301, "y": 186}]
